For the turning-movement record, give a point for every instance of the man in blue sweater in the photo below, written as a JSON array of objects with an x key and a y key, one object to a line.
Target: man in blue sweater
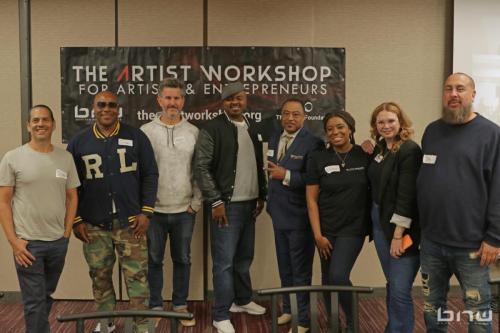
[{"x": 459, "y": 205}]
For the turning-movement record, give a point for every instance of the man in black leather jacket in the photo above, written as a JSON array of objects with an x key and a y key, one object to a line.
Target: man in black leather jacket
[{"x": 228, "y": 168}]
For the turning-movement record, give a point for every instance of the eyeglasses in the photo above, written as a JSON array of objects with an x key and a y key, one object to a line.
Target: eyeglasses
[{"x": 111, "y": 105}]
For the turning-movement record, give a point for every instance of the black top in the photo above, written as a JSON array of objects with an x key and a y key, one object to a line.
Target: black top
[
  {"x": 374, "y": 171},
  {"x": 344, "y": 196},
  {"x": 393, "y": 176},
  {"x": 215, "y": 158},
  {"x": 458, "y": 186}
]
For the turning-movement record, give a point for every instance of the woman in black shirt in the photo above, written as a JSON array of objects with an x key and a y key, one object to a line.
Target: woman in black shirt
[
  {"x": 393, "y": 173},
  {"x": 338, "y": 202}
]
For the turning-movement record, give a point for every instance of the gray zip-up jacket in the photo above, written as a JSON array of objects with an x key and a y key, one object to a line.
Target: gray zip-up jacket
[{"x": 173, "y": 146}]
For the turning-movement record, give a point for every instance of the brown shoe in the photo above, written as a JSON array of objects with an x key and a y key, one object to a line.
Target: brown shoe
[{"x": 186, "y": 322}]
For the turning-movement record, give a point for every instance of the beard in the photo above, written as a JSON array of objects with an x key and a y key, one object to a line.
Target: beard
[
  {"x": 457, "y": 117},
  {"x": 172, "y": 113}
]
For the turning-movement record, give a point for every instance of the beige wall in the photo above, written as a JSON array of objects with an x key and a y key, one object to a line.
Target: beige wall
[
  {"x": 10, "y": 116},
  {"x": 395, "y": 50}
]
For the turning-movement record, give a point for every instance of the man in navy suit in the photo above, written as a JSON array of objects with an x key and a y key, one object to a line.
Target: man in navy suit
[{"x": 286, "y": 165}]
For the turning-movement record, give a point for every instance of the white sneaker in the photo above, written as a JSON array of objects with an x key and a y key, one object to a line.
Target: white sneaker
[
  {"x": 157, "y": 319},
  {"x": 285, "y": 318},
  {"x": 111, "y": 327},
  {"x": 300, "y": 329},
  {"x": 223, "y": 326},
  {"x": 250, "y": 308}
]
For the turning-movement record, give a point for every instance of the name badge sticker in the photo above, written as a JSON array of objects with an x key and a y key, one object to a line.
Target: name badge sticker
[
  {"x": 332, "y": 168},
  {"x": 61, "y": 174},
  {"x": 125, "y": 142},
  {"x": 379, "y": 158},
  {"x": 296, "y": 157},
  {"x": 429, "y": 159},
  {"x": 179, "y": 139},
  {"x": 270, "y": 153}
]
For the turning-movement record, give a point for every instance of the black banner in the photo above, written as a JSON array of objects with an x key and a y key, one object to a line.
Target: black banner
[{"x": 270, "y": 75}]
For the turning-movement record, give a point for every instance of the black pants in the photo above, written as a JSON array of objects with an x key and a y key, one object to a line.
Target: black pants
[{"x": 336, "y": 270}]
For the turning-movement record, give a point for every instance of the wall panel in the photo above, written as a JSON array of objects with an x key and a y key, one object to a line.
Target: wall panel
[
  {"x": 395, "y": 50},
  {"x": 57, "y": 24},
  {"x": 10, "y": 114},
  {"x": 161, "y": 23}
]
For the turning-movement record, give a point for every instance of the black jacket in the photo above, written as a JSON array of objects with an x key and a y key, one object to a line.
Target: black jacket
[
  {"x": 215, "y": 159},
  {"x": 398, "y": 192}
]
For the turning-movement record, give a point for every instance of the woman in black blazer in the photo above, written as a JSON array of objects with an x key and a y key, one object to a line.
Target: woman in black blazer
[{"x": 393, "y": 172}]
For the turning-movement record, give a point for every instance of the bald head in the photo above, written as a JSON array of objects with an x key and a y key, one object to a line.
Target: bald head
[{"x": 468, "y": 78}]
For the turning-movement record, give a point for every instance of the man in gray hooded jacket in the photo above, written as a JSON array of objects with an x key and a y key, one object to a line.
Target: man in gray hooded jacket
[{"x": 173, "y": 139}]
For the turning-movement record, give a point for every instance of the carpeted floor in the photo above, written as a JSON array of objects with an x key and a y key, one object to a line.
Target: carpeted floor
[{"x": 372, "y": 317}]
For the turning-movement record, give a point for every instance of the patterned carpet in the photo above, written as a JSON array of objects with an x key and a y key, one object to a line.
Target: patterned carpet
[{"x": 372, "y": 317}]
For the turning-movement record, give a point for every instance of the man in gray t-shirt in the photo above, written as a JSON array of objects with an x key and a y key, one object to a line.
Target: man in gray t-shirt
[{"x": 38, "y": 201}]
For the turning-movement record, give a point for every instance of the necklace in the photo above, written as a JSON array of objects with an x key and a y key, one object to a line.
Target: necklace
[
  {"x": 342, "y": 160},
  {"x": 381, "y": 156}
]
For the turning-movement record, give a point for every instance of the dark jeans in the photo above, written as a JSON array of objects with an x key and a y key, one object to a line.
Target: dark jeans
[
  {"x": 295, "y": 253},
  {"x": 39, "y": 281},
  {"x": 232, "y": 255},
  {"x": 439, "y": 262},
  {"x": 180, "y": 229},
  {"x": 336, "y": 270},
  {"x": 400, "y": 275}
]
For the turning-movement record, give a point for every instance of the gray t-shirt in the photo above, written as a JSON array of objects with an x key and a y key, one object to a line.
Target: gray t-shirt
[
  {"x": 40, "y": 181},
  {"x": 246, "y": 185}
]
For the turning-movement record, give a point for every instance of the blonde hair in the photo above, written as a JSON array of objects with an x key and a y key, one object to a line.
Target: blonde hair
[{"x": 405, "y": 131}]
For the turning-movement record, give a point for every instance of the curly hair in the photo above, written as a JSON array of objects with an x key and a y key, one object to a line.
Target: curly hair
[{"x": 405, "y": 131}]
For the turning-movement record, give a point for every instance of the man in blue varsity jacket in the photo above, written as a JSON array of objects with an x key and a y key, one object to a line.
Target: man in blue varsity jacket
[
  {"x": 119, "y": 178},
  {"x": 287, "y": 158}
]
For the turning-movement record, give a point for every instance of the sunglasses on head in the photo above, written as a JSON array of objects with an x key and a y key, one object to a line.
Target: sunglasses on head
[{"x": 111, "y": 105}]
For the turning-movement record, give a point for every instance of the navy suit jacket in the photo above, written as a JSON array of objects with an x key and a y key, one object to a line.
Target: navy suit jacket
[{"x": 287, "y": 204}]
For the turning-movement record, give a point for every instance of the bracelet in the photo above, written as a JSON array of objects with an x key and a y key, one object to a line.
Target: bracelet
[
  {"x": 217, "y": 203},
  {"x": 77, "y": 223},
  {"x": 397, "y": 238}
]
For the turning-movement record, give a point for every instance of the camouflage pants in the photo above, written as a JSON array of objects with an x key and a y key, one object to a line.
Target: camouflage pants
[{"x": 133, "y": 257}]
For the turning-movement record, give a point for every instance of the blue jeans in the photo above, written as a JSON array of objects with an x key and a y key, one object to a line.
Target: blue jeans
[
  {"x": 295, "y": 253},
  {"x": 180, "y": 228},
  {"x": 232, "y": 255},
  {"x": 439, "y": 262},
  {"x": 39, "y": 281},
  {"x": 336, "y": 270},
  {"x": 400, "y": 275}
]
